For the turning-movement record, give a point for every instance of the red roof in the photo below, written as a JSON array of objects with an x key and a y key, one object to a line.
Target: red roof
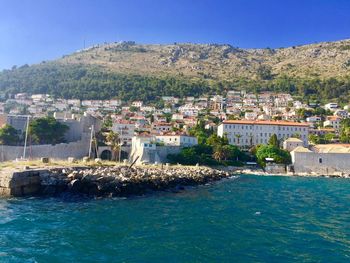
[{"x": 261, "y": 122}]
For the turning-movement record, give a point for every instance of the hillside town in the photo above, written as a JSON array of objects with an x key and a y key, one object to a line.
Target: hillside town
[{"x": 154, "y": 132}]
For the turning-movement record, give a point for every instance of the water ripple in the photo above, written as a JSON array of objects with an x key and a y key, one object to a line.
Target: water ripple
[{"x": 243, "y": 219}]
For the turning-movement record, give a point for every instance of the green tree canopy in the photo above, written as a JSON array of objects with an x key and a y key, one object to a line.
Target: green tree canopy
[
  {"x": 273, "y": 141},
  {"x": 8, "y": 135},
  {"x": 269, "y": 151},
  {"x": 47, "y": 130}
]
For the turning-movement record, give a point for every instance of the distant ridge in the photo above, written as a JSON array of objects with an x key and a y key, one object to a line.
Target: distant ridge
[{"x": 319, "y": 70}]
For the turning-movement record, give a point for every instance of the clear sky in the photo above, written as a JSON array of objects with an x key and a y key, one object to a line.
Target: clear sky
[{"x": 35, "y": 30}]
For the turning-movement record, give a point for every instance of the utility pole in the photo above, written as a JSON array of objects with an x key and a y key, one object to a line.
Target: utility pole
[
  {"x": 26, "y": 139},
  {"x": 120, "y": 143},
  {"x": 91, "y": 138}
]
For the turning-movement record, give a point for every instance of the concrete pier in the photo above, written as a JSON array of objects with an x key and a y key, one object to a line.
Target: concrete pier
[{"x": 20, "y": 183}]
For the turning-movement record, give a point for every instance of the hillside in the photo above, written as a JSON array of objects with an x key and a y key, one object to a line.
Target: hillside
[
  {"x": 221, "y": 62},
  {"x": 128, "y": 71}
]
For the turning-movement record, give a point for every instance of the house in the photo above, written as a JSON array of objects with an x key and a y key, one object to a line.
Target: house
[
  {"x": 321, "y": 131},
  {"x": 250, "y": 115},
  {"x": 125, "y": 129},
  {"x": 326, "y": 159},
  {"x": 247, "y": 133},
  {"x": 341, "y": 113},
  {"x": 314, "y": 119},
  {"x": 331, "y": 106},
  {"x": 161, "y": 127},
  {"x": 333, "y": 121},
  {"x": 177, "y": 117},
  {"x": 177, "y": 139},
  {"x": 137, "y": 104},
  {"x": 291, "y": 143},
  {"x": 189, "y": 110}
]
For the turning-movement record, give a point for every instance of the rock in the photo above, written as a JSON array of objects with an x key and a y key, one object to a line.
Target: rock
[
  {"x": 86, "y": 159},
  {"x": 45, "y": 160},
  {"x": 72, "y": 160},
  {"x": 75, "y": 185}
]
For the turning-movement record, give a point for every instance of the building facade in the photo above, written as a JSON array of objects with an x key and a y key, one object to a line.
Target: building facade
[
  {"x": 177, "y": 140},
  {"x": 247, "y": 133},
  {"x": 324, "y": 159}
]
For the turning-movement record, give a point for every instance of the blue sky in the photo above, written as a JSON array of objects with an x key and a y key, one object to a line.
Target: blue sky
[{"x": 35, "y": 30}]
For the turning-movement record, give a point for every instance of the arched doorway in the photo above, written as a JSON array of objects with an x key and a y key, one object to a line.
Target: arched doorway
[{"x": 106, "y": 155}]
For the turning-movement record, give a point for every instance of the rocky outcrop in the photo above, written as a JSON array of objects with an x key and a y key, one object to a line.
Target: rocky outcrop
[{"x": 107, "y": 181}]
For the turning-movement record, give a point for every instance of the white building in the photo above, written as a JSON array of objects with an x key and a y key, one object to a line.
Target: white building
[
  {"x": 333, "y": 121},
  {"x": 189, "y": 110},
  {"x": 248, "y": 133},
  {"x": 177, "y": 140},
  {"x": 291, "y": 143},
  {"x": 314, "y": 119},
  {"x": 125, "y": 129},
  {"x": 250, "y": 115},
  {"x": 331, "y": 106},
  {"x": 326, "y": 159},
  {"x": 137, "y": 103},
  {"x": 161, "y": 126}
]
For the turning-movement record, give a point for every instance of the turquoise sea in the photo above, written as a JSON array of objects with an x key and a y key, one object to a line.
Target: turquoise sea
[{"x": 243, "y": 219}]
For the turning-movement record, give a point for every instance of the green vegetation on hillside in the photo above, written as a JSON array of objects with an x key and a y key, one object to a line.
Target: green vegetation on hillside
[{"x": 92, "y": 82}]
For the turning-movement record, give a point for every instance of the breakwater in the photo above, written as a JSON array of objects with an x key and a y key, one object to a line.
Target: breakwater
[{"x": 103, "y": 181}]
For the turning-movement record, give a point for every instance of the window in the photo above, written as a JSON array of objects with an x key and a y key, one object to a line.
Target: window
[{"x": 320, "y": 160}]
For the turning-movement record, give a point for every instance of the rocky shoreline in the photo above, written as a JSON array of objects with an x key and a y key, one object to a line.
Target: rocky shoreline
[
  {"x": 313, "y": 174},
  {"x": 113, "y": 181}
]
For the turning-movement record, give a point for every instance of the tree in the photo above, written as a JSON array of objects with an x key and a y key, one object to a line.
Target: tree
[
  {"x": 345, "y": 135},
  {"x": 264, "y": 72},
  {"x": 107, "y": 122},
  {"x": 113, "y": 140},
  {"x": 8, "y": 135},
  {"x": 314, "y": 139},
  {"x": 269, "y": 151},
  {"x": 329, "y": 137},
  {"x": 221, "y": 153},
  {"x": 274, "y": 141},
  {"x": 47, "y": 130},
  {"x": 215, "y": 140},
  {"x": 238, "y": 136},
  {"x": 345, "y": 131}
]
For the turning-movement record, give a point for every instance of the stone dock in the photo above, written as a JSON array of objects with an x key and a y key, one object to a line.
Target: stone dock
[{"x": 103, "y": 181}]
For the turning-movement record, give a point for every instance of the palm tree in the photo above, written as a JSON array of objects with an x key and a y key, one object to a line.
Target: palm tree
[
  {"x": 238, "y": 136},
  {"x": 114, "y": 141},
  {"x": 221, "y": 153}
]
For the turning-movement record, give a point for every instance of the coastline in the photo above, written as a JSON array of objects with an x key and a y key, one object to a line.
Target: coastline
[
  {"x": 104, "y": 181},
  {"x": 119, "y": 180},
  {"x": 313, "y": 174}
]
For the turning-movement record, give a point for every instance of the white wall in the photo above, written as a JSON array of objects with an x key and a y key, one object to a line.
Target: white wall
[
  {"x": 59, "y": 151},
  {"x": 331, "y": 162}
]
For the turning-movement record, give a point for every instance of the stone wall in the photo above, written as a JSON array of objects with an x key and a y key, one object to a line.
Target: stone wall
[
  {"x": 151, "y": 155},
  {"x": 321, "y": 163},
  {"x": 77, "y": 150},
  {"x": 274, "y": 168},
  {"x": 163, "y": 152}
]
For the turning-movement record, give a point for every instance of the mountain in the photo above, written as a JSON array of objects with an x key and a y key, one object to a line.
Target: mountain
[
  {"x": 128, "y": 70},
  {"x": 225, "y": 62}
]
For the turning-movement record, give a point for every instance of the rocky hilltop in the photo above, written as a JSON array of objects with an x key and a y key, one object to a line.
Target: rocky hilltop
[
  {"x": 131, "y": 71},
  {"x": 328, "y": 59}
]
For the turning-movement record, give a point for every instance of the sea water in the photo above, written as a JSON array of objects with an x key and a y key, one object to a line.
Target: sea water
[{"x": 244, "y": 219}]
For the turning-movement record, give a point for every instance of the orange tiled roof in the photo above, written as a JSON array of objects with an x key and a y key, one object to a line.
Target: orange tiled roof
[
  {"x": 333, "y": 118},
  {"x": 262, "y": 122}
]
